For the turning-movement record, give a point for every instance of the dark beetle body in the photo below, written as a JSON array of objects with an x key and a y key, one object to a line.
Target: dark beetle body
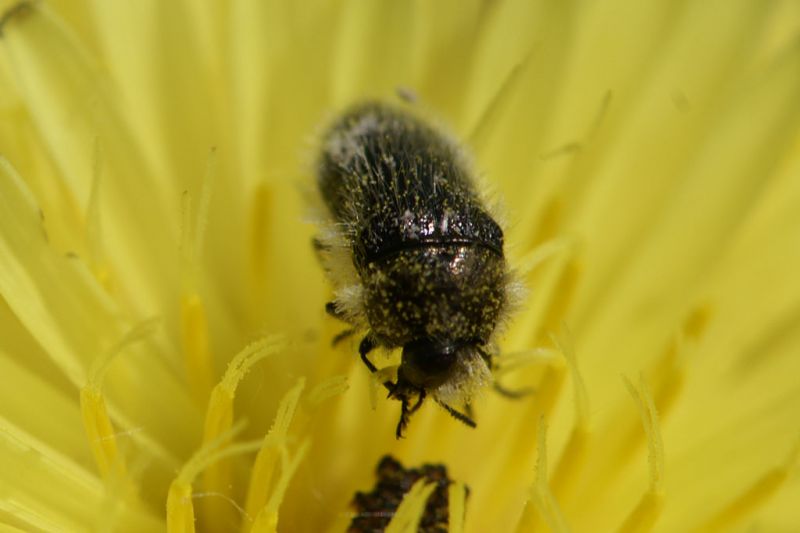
[{"x": 426, "y": 251}]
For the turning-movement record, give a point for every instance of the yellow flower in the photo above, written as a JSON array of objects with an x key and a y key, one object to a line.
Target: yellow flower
[{"x": 164, "y": 351}]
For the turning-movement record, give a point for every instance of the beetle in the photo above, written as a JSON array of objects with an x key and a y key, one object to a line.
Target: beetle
[{"x": 416, "y": 258}]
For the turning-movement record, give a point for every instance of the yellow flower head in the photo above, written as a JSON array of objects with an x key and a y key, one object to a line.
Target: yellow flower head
[{"x": 165, "y": 353}]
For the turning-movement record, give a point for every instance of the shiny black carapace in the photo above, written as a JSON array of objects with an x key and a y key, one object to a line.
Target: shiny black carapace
[{"x": 415, "y": 257}]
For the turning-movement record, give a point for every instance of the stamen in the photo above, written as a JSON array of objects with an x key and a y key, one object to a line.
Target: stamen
[
  {"x": 265, "y": 523},
  {"x": 549, "y": 224},
  {"x": 456, "y": 498},
  {"x": 547, "y": 392},
  {"x": 194, "y": 323},
  {"x": 581, "y": 397},
  {"x": 180, "y": 511},
  {"x": 94, "y": 234},
  {"x": 574, "y": 454},
  {"x": 645, "y": 514},
  {"x": 100, "y": 365},
  {"x": 566, "y": 149},
  {"x": 244, "y": 361},
  {"x": 332, "y": 386},
  {"x": 543, "y": 500},
  {"x": 489, "y": 114},
  {"x": 409, "y": 512},
  {"x": 555, "y": 286},
  {"x": 668, "y": 376},
  {"x": 96, "y": 422},
  {"x": 196, "y": 350},
  {"x": 563, "y": 293},
  {"x": 230, "y": 501},
  {"x": 506, "y": 363},
  {"x": 180, "y": 507},
  {"x": 542, "y": 252},
  {"x": 268, "y": 515},
  {"x": 219, "y": 420},
  {"x": 285, "y": 414},
  {"x": 100, "y": 433},
  {"x": 194, "y": 222},
  {"x": 755, "y": 496},
  {"x": 266, "y": 463}
]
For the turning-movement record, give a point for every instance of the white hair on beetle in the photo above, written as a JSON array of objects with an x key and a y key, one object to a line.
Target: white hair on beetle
[{"x": 470, "y": 377}]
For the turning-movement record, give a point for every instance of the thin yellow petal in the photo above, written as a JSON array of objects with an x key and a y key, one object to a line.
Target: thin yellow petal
[{"x": 409, "y": 513}]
